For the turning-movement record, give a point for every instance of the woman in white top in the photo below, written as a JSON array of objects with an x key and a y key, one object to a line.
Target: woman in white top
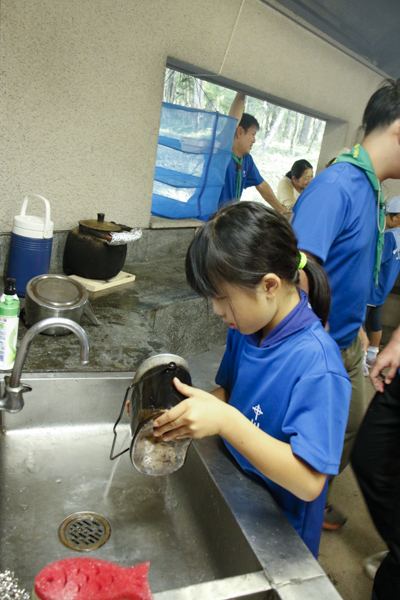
[{"x": 294, "y": 182}]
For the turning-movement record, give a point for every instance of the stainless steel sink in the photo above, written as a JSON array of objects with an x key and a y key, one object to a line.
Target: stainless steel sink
[{"x": 208, "y": 530}]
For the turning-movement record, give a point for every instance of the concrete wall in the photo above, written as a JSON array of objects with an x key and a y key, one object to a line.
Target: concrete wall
[{"x": 82, "y": 90}]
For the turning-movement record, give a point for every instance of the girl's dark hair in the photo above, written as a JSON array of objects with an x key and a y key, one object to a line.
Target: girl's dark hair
[
  {"x": 298, "y": 168},
  {"x": 240, "y": 244}
]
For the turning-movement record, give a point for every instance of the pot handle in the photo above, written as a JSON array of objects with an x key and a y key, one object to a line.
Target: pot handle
[{"x": 90, "y": 314}]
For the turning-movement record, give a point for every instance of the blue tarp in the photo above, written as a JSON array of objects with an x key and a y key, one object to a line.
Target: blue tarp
[{"x": 194, "y": 149}]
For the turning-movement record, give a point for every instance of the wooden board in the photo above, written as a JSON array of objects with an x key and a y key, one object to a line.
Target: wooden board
[{"x": 94, "y": 285}]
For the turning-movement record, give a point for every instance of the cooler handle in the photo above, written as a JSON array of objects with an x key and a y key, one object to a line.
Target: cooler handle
[{"x": 46, "y": 229}]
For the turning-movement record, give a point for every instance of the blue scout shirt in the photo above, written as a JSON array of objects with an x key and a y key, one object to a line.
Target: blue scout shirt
[
  {"x": 390, "y": 268},
  {"x": 295, "y": 388},
  {"x": 250, "y": 177},
  {"x": 335, "y": 218}
]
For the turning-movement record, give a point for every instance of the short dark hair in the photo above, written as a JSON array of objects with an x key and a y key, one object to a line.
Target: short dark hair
[
  {"x": 383, "y": 107},
  {"x": 248, "y": 121},
  {"x": 240, "y": 244}
]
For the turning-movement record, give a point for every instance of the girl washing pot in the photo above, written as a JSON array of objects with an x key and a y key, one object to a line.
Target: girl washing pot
[{"x": 284, "y": 394}]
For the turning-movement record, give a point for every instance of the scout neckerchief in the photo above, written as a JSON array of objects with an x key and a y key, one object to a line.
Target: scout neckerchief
[
  {"x": 359, "y": 157},
  {"x": 239, "y": 164}
]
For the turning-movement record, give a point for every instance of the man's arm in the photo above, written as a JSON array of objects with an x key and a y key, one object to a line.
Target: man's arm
[
  {"x": 237, "y": 107},
  {"x": 285, "y": 193},
  {"x": 265, "y": 190},
  {"x": 235, "y": 111},
  {"x": 389, "y": 357}
]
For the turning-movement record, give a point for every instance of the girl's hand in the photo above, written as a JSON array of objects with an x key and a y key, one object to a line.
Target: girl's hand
[{"x": 199, "y": 416}]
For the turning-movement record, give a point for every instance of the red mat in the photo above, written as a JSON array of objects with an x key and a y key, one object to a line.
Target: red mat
[{"x": 88, "y": 579}]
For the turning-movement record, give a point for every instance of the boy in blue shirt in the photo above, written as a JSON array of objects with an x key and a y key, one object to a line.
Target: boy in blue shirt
[
  {"x": 242, "y": 171},
  {"x": 336, "y": 222},
  {"x": 390, "y": 269}
]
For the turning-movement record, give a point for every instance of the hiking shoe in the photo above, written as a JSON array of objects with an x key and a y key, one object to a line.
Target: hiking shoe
[
  {"x": 372, "y": 563},
  {"x": 333, "y": 518}
]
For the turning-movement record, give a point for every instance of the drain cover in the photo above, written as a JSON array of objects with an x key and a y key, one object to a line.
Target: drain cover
[{"x": 84, "y": 531}]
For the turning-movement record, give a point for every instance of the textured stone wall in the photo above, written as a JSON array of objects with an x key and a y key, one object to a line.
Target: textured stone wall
[{"x": 82, "y": 85}]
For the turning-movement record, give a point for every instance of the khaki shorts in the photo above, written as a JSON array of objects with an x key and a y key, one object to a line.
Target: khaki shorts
[{"x": 353, "y": 361}]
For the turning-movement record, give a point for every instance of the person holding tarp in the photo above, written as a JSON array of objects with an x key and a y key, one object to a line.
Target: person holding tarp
[{"x": 242, "y": 171}]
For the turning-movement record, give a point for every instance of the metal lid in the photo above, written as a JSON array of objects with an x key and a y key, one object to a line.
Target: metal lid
[
  {"x": 100, "y": 224},
  {"x": 56, "y": 291},
  {"x": 159, "y": 360}
]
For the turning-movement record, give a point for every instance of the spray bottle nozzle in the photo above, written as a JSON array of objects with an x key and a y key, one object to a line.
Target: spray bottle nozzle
[{"x": 9, "y": 289}]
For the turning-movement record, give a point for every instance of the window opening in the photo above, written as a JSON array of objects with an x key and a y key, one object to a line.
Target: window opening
[{"x": 195, "y": 150}]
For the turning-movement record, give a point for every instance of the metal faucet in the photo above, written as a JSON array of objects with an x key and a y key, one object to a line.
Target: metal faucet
[{"x": 13, "y": 400}]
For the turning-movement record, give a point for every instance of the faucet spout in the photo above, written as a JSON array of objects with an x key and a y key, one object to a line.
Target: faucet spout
[{"x": 12, "y": 400}]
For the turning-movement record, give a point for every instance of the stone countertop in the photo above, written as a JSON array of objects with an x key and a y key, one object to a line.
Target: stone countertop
[{"x": 125, "y": 337}]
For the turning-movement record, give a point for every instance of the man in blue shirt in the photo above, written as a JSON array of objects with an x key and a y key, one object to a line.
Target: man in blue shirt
[
  {"x": 242, "y": 171},
  {"x": 336, "y": 222}
]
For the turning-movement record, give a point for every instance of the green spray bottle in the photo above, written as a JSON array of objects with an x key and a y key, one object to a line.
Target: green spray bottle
[{"x": 9, "y": 308}]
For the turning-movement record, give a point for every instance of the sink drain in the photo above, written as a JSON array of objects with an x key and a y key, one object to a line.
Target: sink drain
[{"x": 84, "y": 531}]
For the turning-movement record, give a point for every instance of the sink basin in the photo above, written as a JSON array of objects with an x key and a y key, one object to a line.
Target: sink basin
[{"x": 208, "y": 530}]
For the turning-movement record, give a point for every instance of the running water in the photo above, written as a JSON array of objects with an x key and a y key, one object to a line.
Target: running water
[{"x": 114, "y": 468}]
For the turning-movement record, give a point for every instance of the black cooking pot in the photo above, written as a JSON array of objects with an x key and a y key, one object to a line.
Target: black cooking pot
[{"x": 87, "y": 251}]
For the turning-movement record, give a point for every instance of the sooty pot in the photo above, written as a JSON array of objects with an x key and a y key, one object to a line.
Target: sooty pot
[
  {"x": 88, "y": 252},
  {"x": 152, "y": 393}
]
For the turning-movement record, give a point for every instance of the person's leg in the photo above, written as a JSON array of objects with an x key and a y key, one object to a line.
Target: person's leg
[
  {"x": 375, "y": 335},
  {"x": 376, "y": 463},
  {"x": 387, "y": 578},
  {"x": 365, "y": 340},
  {"x": 353, "y": 362},
  {"x": 375, "y": 338}
]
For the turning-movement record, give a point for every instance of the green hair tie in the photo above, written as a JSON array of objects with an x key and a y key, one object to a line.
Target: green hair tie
[{"x": 302, "y": 261}]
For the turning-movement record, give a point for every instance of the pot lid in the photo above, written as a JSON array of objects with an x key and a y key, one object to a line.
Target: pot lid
[
  {"x": 159, "y": 360},
  {"x": 100, "y": 224},
  {"x": 56, "y": 291}
]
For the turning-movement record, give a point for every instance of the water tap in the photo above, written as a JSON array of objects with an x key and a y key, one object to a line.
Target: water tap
[{"x": 13, "y": 400}]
